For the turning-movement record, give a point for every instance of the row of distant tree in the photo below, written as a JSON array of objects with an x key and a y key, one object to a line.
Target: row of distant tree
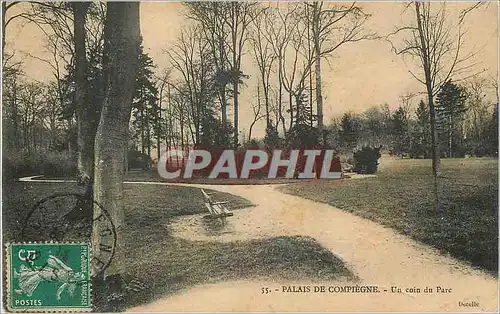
[{"x": 467, "y": 124}]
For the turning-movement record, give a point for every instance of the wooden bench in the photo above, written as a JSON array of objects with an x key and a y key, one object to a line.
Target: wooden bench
[{"x": 216, "y": 209}]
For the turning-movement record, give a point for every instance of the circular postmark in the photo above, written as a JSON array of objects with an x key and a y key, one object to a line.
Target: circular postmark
[{"x": 72, "y": 217}]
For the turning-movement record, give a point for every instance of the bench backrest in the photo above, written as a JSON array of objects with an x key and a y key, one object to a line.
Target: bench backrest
[{"x": 206, "y": 196}]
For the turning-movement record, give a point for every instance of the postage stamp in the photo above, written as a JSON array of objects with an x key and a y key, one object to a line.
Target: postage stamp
[{"x": 48, "y": 277}]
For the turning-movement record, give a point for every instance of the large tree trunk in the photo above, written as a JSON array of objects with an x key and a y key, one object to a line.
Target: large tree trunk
[
  {"x": 85, "y": 113},
  {"x": 123, "y": 40}
]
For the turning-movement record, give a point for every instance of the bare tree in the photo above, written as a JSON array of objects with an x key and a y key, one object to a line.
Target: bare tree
[
  {"x": 296, "y": 72},
  {"x": 212, "y": 18},
  {"x": 71, "y": 40},
  {"x": 257, "y": 113},
  {"x": 54, "y": 21},
  {"x": 332, "y": 26},
  {"x": 6, "y": 6},
  {"x": 190, "y": 57},
  {"x": 240, "y": 16},
  {"x": 162, "y": 83},
  {"x": 264, "y": 57},
  {"x": 432, "y": 40},
  {"x": 30, "y": 107},
  {"x": 225, "y": 26},
  {"x": 180, "y": 111},
  {"x": 279, "y": 34},
  {"x": 291, "y": 68},
  {"x": 51, "y": 114},
  {"x": 478, "y": 110},
  {"x": 31, "y": 115},
  {"x": 494, "y": 84},
  {"x": 406, "y": 104}
]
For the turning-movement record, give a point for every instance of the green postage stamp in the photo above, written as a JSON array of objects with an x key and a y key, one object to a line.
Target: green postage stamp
[{"x": 48, "y": 277}]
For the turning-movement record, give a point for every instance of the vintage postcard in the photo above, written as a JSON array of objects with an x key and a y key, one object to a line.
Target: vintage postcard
[{"x": 246, "y": 156}]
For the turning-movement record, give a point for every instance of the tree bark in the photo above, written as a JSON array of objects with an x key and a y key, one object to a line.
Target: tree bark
[
  {"x": 158, "y": 126},
  {"x": 317, "y": 63},
  {"x": 309, "y": 51},
  {"x": 85, "y": 113},
  {"x": 319, "y": 96},
  {"x": 236, "y": 113},
  {"x": 450, "y": 140},
  {"x": 123, "y": 41},
  {"x": 223, "y": 105},
  {"x": 236, "y": 70},
  {"x": 4, "y": 11},
  {"x": 281, "y": 119}
]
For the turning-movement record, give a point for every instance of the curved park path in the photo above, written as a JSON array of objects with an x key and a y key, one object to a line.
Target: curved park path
[{"x": 376, "y": 254}]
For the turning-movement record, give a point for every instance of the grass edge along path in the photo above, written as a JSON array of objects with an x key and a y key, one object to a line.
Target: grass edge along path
[{"x": 400, "y": 197}]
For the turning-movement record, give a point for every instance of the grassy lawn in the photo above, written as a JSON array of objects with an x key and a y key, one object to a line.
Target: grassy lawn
[
  {"x": 466, "y": 226},
  {"x": 167, "y": 264}
]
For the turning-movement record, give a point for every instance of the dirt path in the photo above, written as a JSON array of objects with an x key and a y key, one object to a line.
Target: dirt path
[{"x": 378, "y": 255}]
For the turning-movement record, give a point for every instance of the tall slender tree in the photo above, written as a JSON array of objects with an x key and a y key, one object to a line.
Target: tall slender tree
[
  {"x": 264, "y": 58},
  {"x": 332, "y": 26},
  {"x": 437, "y": 43},
  {"x": 85, "y": 114},
  {"x": 212, "y": 18},
  {"x": 279, "y": 34},
  {"x": 240, "y": 16}
]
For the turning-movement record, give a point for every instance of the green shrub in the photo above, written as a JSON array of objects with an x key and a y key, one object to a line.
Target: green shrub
[
  {"x": 366, "y": 160},
  {"x": 59, "y": 164},
  {"x": 136, "y": 159},
  {"x": 19, "y": 164}
]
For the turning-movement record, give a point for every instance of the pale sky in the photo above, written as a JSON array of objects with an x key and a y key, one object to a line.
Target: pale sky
[{"x": 361, "y": 75}]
